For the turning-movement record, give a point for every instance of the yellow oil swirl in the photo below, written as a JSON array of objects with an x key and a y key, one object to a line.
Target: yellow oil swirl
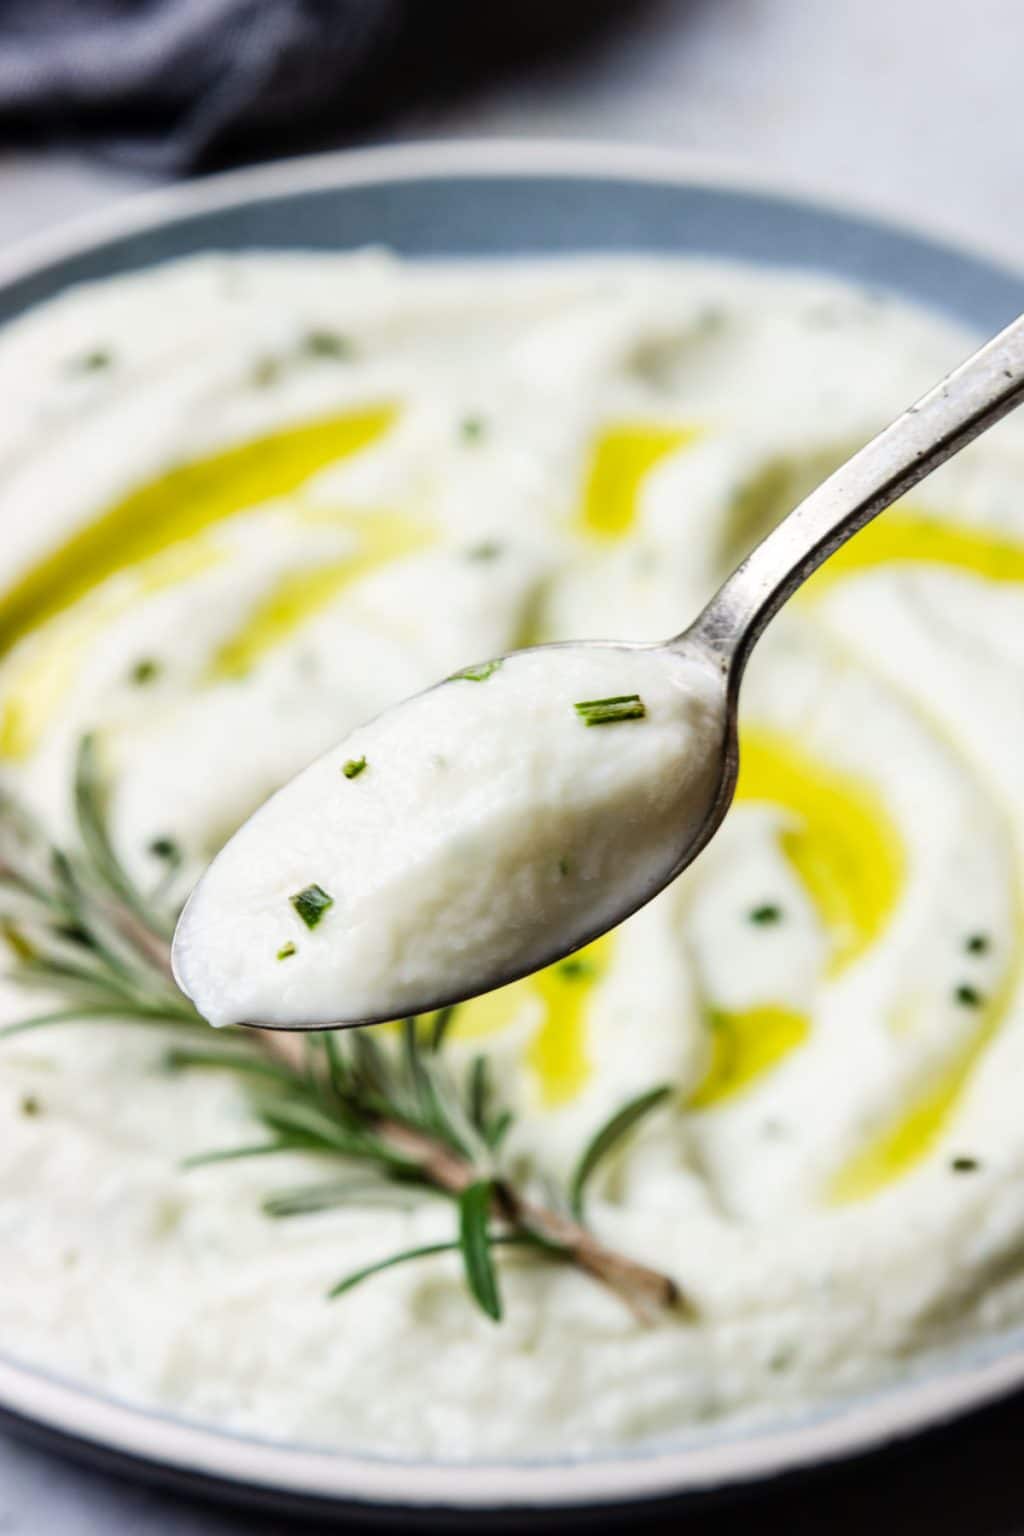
[
  {"x": 907, "y": 1138},
  {"x": 745, "y": 1045},
  {"x": 621, "y": 459},
  {"x": 842, "y": 842},
  {"x": 906, "y": 535},
  {"x": 847, "y": 853},
  {"x": 556, "y": 1002},
  {"x": 381, "y": 538},
  {"x": 46, "y": 671},
  {"x": 180, "y": 504},
  {"x": 152, "y": 538}
]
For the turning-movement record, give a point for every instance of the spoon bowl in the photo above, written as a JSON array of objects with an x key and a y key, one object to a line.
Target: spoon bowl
[
  {"x": 487, "y": 830},
  {"x": 477, "y": 832}
]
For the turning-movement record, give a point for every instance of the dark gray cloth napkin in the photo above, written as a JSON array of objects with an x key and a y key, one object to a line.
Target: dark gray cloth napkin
[{"x": 176, "y": 85}]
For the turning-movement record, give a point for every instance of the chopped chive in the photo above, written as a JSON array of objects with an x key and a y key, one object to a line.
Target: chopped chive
[
  {"x": 266, "y": 372},
  {"x": 968, "y": 996},
  {"x": 479, "y": 673},
  {"x": 575, "y": 969},
  {"x": 94, "y": 361},
  {"x": 489, "y": 549},
  {"x": 165, "y": 848},
  {"x": 324, "y": 343},
  {"x": 977, "y": 944},
  {"x": 311, "y": 903},
  {"x": 625, "y": 706},
  {"x": 964, "y": 1164},
  {"x": 563, "y": 866},
  {"x": 354, "y": 767},
  {"x": 472, "y": 428},
  {"x": 768, "y": 913},
  {"x": 709, "y": 320},
  {"x": 286, "y": 951},
  {"x": 145, "y": 670},
  {"x": 30, "y": 1106}
]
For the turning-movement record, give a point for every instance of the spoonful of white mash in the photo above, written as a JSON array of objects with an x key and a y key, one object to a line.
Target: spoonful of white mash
[{"x": 522, "y": 807}]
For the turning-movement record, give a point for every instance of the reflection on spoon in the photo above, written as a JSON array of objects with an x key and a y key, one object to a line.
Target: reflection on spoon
[{"x": 504, "y": 818}]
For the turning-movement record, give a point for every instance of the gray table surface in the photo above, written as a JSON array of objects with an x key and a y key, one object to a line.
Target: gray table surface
[{"x": 912, "y": 108}]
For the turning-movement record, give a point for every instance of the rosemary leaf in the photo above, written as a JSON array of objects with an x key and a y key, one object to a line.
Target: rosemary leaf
[
  {"x": 418, "y": 1080},
  {"x": 608, "y": 1137},
  {"x": 428, "y": 1250},
  {"x": 90, "y": 815},
  {"x": 479, "y": 1092},
  {"x": 235, "y": 1154},
  {"x": 78, "y": 1016},
  {"x": 434, "y": 1107},
  {"x": 182, "y": 1059},
  {"x": 371, "y": 1065},
  {"x": 497, "y": 1129},
  {"x": 311, "y": 1199},
  {"x": 440, "y": 1026},
  {"x": 406, "y": 1256},
  {"x": 336, "y": 1066},
  {"x": 475, "y": 1243},
  {"x": 310, "y": 1126}
]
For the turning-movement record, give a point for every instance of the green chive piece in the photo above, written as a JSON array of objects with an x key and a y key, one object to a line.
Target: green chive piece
[
  {"x": 625, "y": 706},
  {"x": 977, "y": 944},
  {"x": 766, "y": 914},
  {"x": 472, "y": 428},
  {"x": 575, "y": 969},
  {"x": 145, "y": 670},
  {"x": 311, "y": 904},
  {"x": 266, "y": 372},
  {"x": 324, "y": 343},
  {"x": 286, "y": 951},
  {"x": 30, "y": 1106},
  {"x": 354, "y": 767},
  {"x": 94, "y": 361},
  {"x": 968, "y": 996},
  {"x": 479, "y": 673},
  {"x": 964, "y": 1164},
  {"x": 165, "y": 848},
  {"x": 490, "y": 549},
  {"x": 563, "y": 867}
]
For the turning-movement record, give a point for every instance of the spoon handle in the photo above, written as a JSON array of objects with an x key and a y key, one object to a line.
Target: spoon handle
[{"x": 967, "y": 401}]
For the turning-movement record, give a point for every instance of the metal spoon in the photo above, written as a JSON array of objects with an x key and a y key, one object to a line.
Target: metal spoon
[{"x": 971, "y": 399}]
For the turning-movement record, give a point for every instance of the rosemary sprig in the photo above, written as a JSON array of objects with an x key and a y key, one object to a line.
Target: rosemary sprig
[{"x": 400, "y": 1117}]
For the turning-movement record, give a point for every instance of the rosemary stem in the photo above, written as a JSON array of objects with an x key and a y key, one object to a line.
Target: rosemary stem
[
  {"x": 646, "y": 1291},
  {"x": 96, "y": 941}
]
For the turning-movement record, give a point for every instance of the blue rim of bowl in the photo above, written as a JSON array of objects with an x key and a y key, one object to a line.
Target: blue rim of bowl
[{"x": 934, "y": 271}]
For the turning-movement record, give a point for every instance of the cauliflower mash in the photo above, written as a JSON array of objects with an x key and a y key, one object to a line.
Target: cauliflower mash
[{"x": 249, "y": 502}]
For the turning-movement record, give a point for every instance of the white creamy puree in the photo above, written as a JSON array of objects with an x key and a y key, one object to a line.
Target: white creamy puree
[
  {"x": 465, "y": 834},
  {"x": 330, "y": 481}
]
